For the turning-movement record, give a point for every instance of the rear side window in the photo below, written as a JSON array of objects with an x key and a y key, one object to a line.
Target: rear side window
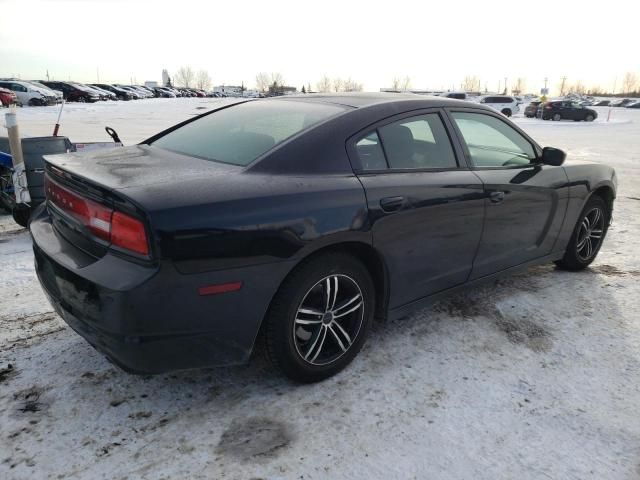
[
  {"x": 493, "y": 143},
  {"x": 241, "y": 133},
  {"x": 418, "y": 142}
]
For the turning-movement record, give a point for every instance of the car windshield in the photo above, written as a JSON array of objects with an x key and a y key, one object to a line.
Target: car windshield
[{"x": 241, "y": 133}]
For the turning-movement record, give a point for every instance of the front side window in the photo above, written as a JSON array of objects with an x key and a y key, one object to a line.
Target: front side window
[
  {"x": 241, "y": 133},
  {"x": 491, "y": 142},
  {"x": 413, "y": 143}
]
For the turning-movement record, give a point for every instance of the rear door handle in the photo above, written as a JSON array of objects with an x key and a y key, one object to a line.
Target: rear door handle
[
  {"x": 392, "y": 204},
  {"x": 496, "y": 197}
]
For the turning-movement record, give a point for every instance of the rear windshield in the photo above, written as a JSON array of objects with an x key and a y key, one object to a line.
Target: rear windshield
[{"x": 241, "y": 133}]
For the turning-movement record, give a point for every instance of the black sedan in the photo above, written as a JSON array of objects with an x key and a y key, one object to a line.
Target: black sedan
[
  {"x": 566, "y": 110},
  {"x": 298, "y": 220}
]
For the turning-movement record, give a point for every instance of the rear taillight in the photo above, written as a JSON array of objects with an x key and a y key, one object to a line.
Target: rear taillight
[
  {"x": 128, "y": 233},
  {"x": 117, "y": 228}
]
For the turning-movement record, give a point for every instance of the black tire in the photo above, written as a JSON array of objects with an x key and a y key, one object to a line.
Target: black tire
[
  {"x": 506, "y": 112},
  {"x": 287, "y": 340},
  {"x": 556, "y": 117},
  {"x": 589, "y": 118},
  {"x": 574, "y": 258},
  {"x": 82, "y": 99}
]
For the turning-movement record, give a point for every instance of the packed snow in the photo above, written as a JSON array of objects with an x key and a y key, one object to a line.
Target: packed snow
[{"x": 532, "y": 377}]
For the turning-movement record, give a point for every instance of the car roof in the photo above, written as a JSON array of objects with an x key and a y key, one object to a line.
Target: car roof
[{"x": 364, "y": 99}]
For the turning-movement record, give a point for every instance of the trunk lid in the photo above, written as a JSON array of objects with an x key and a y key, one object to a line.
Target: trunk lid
[{"x": 135, "y": 166}]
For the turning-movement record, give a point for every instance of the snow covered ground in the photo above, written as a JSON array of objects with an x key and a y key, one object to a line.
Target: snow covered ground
[{"x": 533, "y": 377}]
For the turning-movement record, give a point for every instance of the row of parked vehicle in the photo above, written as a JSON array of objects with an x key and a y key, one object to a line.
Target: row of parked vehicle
[
  {"x": 573, "y": 109},
  {"x": 50, "y": 92}
]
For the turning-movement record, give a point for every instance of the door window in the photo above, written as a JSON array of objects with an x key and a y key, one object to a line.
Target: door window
[
  {"x": 418, "y": 142},
  {"x": 492, "y": 142}
]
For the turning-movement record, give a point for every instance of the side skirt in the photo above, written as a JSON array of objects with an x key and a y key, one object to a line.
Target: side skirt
[{"x": 407, "y": 309}]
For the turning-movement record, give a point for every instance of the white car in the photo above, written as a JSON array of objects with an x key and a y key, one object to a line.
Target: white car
[
  {"x": 49, "y": 91},
  {"x": 29, "y": 94},
  {"x": 505, "y": 104}
]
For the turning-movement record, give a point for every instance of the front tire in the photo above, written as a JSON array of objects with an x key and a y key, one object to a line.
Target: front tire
[
  {"x": 589, "y": 118},
  {"x": 320, "y": 317},
  {"x": 588, "y": 235},
  {"x": 556, "y": 117},
  {"x": 506, "y": 112}
]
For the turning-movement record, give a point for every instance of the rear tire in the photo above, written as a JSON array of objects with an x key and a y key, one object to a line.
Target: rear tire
[
  {"x": 556, "y": 117},
  {"x": 506, "y": 112},
  {"x": 319, "y": 318},
  {"x": 588, "y": 235}
]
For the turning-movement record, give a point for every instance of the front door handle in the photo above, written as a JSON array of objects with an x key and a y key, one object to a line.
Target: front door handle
[
  {"x": 496, "y": 197},
  {"x": 392, "y": 204}
]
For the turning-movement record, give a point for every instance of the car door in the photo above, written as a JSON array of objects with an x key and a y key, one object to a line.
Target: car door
[
  {"x": 525, "y": 200},
  {"x": 425, "y": 206}
]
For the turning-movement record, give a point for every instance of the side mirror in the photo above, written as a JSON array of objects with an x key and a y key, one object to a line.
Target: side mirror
[{"x": 553, "y": 156}]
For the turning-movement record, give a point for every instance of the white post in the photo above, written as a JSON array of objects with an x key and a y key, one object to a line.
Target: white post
[{"x": 15, "y": 144}]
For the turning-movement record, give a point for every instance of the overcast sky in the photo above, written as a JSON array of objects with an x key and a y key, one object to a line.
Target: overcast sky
[{"x": 435, "y": 43}]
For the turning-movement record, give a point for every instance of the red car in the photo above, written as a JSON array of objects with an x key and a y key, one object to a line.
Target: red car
[{"x": 7, "y": 97}]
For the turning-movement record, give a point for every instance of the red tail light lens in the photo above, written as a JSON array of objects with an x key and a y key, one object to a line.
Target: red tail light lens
[
  {"x": 111, "y": 226},
  {"x": 129, "y": 233}
]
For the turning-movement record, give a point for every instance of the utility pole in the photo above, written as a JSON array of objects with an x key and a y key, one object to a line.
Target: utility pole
[
  {"x": 98, "y": 74},
  {"x": 505, "y": 85},
  {"x": 47, "y": 74}
]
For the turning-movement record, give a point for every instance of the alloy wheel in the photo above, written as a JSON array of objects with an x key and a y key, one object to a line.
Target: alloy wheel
[
  {"x": 590, "y": 234},
  {"x": 328, "y": 319}
]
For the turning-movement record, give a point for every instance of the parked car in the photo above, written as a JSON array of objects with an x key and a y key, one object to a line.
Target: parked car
[
  {"x": 286, "y": 216},
  {"x": 602, "y": 103},
  {"x": 7, "y": 97},
  {"x": 104, "y": 94},
  {"x": 56, "y": 93},
  {"x": 135, "y": 95},
  {"x": 566, "y": 110},
  {"x": 164, "y": 92},
  {"x": 531, "y": 109},
  {"x": 29, "y": 94},
  {"x": 505, "y": 104},
  {"x": 73, "y": 92},
  {"x": 120, "y": 93},
  {"x": 622, "y": 103},
  {"x": 634, "y": 105},
  {"x": 456, "y": 95}
]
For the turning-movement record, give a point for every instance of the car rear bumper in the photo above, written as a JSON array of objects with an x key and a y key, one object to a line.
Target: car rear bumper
[{"x": 151, "y": 319}]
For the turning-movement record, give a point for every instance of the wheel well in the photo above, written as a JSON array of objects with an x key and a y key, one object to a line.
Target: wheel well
[
  {"x": 373, "y": 262},
  {"x": 606, "y": 193}
]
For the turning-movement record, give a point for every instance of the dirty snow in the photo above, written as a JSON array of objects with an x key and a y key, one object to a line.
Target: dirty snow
[{"x": 532, "y": 377}]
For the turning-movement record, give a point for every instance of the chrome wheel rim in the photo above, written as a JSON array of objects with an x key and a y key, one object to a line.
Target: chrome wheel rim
[
  {"x": 590, "y": 234},
  {"x": 328, "y": 319}
]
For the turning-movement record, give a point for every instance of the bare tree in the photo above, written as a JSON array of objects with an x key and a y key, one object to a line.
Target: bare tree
[
  {"x": 263, "y": 81},
  {"x": 629, "y": 82},
  {"x": 338, "y": 84},
  {"x": 184, "y": 77},
  {"x": 470, "y": 83},
  {"x": 595, "y": 90},
  {"x": 563, "y": 86},
  {"x": 395, "y": 83},
  {"x": 578, "y": 88},
  {"x": 203, "y": 80},
  {"x": 324, "y": 85},
  {"x": 277, "y": 79},
  {"x": 351, "y": 86}
]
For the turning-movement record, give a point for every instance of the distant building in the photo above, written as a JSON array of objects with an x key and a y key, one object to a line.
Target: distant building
[
  {"x": 277, "y": 90},
  {"x": 233, "y": 90},
  {"x": 151, "y": 83}
]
